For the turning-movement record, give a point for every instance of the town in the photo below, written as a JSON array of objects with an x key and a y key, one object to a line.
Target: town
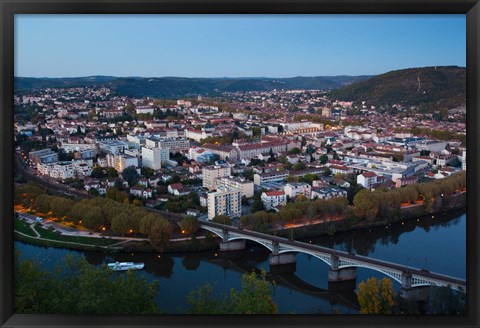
[{"x": 238, "y": 153}]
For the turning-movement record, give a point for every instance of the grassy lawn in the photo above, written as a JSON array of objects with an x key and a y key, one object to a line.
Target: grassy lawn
[
  {"x": 24, "y": 227},
  {"x": 47, "y": 234}
]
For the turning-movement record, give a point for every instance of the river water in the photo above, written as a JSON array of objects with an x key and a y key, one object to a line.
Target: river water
[{"x": 438, "y": 244}]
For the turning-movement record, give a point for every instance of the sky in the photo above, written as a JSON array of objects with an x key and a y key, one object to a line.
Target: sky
[{"x": 234, "y": 45}]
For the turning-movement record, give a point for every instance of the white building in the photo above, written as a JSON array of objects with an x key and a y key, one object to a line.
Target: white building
[
  {"x": 154, "y": 157},
  {"x": 294, "y": 189},
  {"x": 367, "y": 179},
  {"x": 175, "y": 145},
  {"x": 121, "y": 162},
  {"x": 261, "y": 178},
  {"x": 464, "y": 160},
  {"x": 244, "y": 185},
  {"x": 327, "y": 193},
  {"x": 211, "y": 173},
  {"x": 66, "y": 170},
  {"x": 113, "y": 147},
  {"x": 274, "y": 198},
  {"x": 225, "y": 201}
]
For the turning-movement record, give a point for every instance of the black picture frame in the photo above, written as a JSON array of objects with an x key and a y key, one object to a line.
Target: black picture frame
[{"x": 471, "y": 8}]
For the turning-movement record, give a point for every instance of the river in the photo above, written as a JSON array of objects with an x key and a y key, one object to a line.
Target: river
[{"x": 438, "y": 244}]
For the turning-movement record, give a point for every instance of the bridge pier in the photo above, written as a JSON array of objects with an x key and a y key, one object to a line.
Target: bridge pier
[
  {"x": 233, "y": 245},
  {"x": 345, "y": 276},
  {"x": 280, "y": 259}
]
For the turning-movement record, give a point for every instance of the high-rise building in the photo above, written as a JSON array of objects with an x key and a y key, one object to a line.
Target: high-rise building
[
  {"x": 210, "y": 173},
  {"x": 244, "y": 185},
  {"x": 154, "y": 157},
  {"x": 225, "y": 201}
]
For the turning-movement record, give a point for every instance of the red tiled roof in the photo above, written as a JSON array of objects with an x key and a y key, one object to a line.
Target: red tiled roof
[{"x": 275, "y": 193}]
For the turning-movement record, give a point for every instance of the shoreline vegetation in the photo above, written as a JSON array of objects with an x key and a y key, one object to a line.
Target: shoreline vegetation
[{"x": 104, "y": 224}]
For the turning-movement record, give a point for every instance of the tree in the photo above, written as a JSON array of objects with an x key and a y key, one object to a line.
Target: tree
[
  {"x": 299, "y": 166},
  {"x": 147, "y": 222},
  {"x": 376, "y": 297},
  {"x": 94, "y": 218},
  {"x": 366, "y": 205},
  {"x": 97, "y": 172},
  {"x": 121, "y": 223},
  {"x": 131, "y": 175},
  {"x": 222, "y": 219},
  {"x": 42, "y": 203},
  {"x": 111, "y": 172},
  {"x": 147, "y": 172},
  {"x": 160, "y": 234},
  {"x": 61, "y": 206},
  {"x": 255, "y": 297},
  {"x": 76, "y": 287},
  {"x": 190, "y": 225},
  {"x": 78, "y": 211}
]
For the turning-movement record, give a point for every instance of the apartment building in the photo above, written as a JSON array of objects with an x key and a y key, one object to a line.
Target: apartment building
[
  {"x": 293, "y": 189},
  {"x": 66, "y": 170},
  {"x": 154, "y": 157},
  {"x": 42, "y": 156},
  {"x": 225, "y": 201},
  {"x": 121, "y": 162},
  {"x": 260, "y": 179},
  {"x": 274, "y": 198},
  {"x": 212, "y": 172},
  {"x": 244, "y": 185}
]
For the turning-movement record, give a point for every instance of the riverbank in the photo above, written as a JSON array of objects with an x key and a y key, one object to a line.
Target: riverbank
[
  {"x": 36, "y": 235},
  {"x": 416, "y": 212}
]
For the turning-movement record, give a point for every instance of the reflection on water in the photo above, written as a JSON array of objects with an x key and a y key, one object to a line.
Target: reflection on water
[{"x": 436, "y": 243}]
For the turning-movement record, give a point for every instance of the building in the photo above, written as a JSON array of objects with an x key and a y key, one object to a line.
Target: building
[
  {"x": 327, "y": 193},
  {"x": 464, "y": 160},
  {"x": 244, "y": 185},
  {"x": 293, "y": 189},
  {"x": 406, "y": 181},
  {"x": 154, "y": 157},
  {"x": 175, "y": 145},
  {"x": 367, "y": 179},
  {"x": 274, "y": 198},
  {"x": 225, "y": 152},
  {"x": 178, "y": 189},
  {"x": 225, "y": 201},
  {"x": 251, "y": 150},
  {"x": 113, "y": 147},
  {"x": 42, "y": 156},
  {"x": 260, "y": 179},
  {"x": 121, "y": 162},
  {"x": 212, "y": 172},
  {"x": 66, "y": 170}
]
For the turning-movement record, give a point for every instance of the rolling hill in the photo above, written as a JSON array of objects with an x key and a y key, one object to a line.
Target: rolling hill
[
  {"x": 166, "y": 87},
  {"x": 427, "y": 88}
]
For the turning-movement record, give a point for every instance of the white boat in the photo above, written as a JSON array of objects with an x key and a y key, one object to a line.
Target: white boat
[{"x": 122, "y": 266}]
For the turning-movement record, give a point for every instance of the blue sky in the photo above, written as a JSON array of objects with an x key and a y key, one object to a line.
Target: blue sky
[{"x": 234, "y": 45}]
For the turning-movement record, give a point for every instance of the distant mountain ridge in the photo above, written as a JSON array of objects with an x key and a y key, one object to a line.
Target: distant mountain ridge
[
  {"x": 165, "y": 87},
  {"x": 430, "y": 88}
]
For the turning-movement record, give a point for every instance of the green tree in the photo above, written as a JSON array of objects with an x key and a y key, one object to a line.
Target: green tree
[
  {"x": 366, "y": 205},
  {"x": 376, "y": 297},
  {"x": 160, "y": 234},
  {"x": 147, "y": 222},
  {"x": 76, "y": 287},
  {"x": 121, "y": 223},
  {"x": 323, "y": 159},
  {"x": 299, "y": 166},
  {"x": 190, "y": 225},
  {"x": 222, "y": 219},
  {"x": 131, "y": 175},
  {"x": 42, "y": 203},
  {"x": 111, "y": 173},
  {"x": 61, "y": 206},
  {"x": 97, "y": 172},
  {"x": 93, "y": 218},
  {"x": 255, "y": 297}
]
